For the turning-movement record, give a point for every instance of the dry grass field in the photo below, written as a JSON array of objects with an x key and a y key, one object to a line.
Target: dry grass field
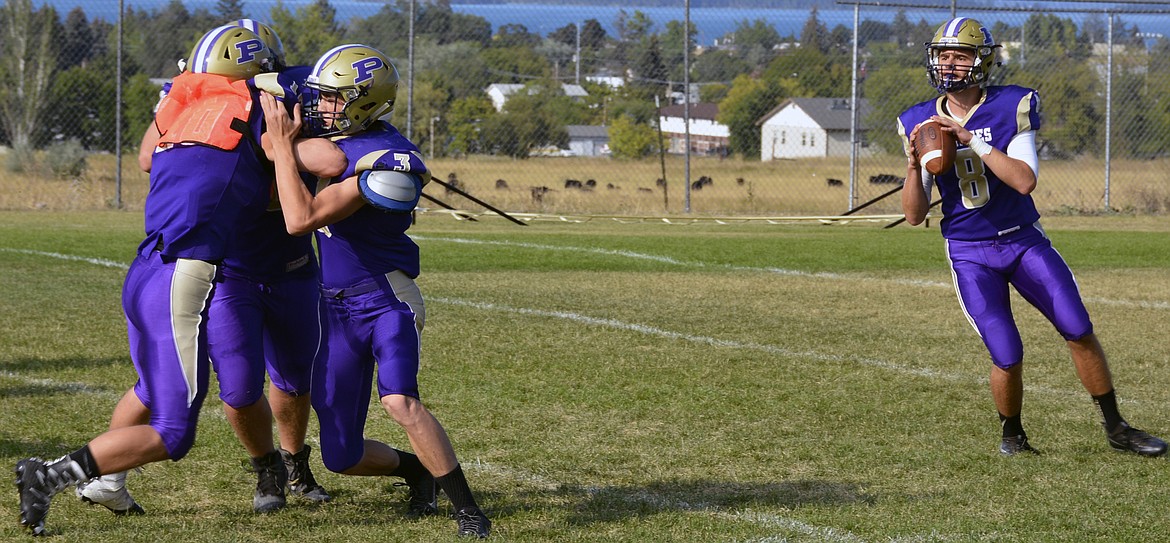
[{"x": 739, "y": 188}]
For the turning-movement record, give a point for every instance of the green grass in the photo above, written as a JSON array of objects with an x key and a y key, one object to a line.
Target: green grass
[{"x": 649, "y": 382}]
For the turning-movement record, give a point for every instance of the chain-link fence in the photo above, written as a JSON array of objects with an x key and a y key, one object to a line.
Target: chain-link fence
[{"x": 575, "y": 109}]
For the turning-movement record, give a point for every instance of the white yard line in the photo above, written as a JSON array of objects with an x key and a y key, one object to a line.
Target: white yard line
[{"x": 1160, "y": 305}]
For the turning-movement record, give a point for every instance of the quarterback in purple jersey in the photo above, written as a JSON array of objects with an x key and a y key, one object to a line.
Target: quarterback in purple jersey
[
  {"x": 372, "y": 310},
  {"x": 208, "y": 173},
  {"x": 992, "y": 229}
]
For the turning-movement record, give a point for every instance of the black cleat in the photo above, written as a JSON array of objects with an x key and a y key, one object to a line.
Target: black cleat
[
  {"x": 424, "y": 494},
  {"x": 271, "y": 476},
  {"x": 1126, "y": 438},
  {"x": 473, "y": 523},
  {"x": 1011, "y": 446},
  {"x": 300, "y": 478},
  {"x": 36, "y": 492}
]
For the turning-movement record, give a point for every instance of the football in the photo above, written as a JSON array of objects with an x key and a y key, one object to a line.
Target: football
[{"x": 935, "y": 148}]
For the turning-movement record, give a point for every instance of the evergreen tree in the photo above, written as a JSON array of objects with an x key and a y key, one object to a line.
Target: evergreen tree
[
  {"x": 77, "y": 41},
  {"x": 229, "y": 10}
]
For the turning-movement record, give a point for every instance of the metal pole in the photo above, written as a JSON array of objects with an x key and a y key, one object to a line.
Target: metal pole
[
  {"x": 855, "y": 144},
  {"x": 1109, "y": 111},
  {"x": 661, "y": 155},
  {"x": 118, "y": 115},
  {"x": 410, "y": 72},
  {"x": 687, "y": 105},
  {"x": 577, "y": 78}
]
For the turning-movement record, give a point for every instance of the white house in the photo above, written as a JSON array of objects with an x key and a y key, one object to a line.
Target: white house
[
  {"x": 707, "y": 135},
  {"x": 811, "y": 127},
  {"x": 586, "y": 140},
  {"x": 499, "y": 92}
]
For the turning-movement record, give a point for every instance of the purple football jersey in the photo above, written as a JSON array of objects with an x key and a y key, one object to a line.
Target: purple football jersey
[
  {"x": 371, "y": 242},
  {"x": 976, "y": 204}
]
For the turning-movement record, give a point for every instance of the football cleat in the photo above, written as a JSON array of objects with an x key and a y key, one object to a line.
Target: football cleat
[
  {"x": 1127, "y": 438},
  {"x": 1013, "y": 445},
  {"x": 473, "y": 523},
  {"x": 36, "y": 492},
  {"x": 300, "y": 478},
  {"x": 423, "y": 500},
  {"x": 271, "y": 476},
  {"x": 109, "y": 491}
]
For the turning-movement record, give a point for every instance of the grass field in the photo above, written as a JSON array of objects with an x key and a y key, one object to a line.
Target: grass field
[{"x": 649, "y": 382}]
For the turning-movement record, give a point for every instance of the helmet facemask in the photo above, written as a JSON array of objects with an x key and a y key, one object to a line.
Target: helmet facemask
[
  {"x": 361, "y": 79},
  {"x": 966, "y": 35}
]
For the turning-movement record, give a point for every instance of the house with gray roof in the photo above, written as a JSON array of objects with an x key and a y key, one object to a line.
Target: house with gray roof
[
  {"x": 812, "y": 127},
  {"x": 587, "y": 140},
  {"x": 499, "y": 92}
]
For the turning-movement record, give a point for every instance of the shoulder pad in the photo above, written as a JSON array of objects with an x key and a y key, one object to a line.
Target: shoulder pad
[{"x": 270, "y": 83}]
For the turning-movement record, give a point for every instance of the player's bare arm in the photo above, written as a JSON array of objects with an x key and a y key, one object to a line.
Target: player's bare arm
[
  {"x": 303, "y": 212},
  {"x": 150, "y": 139},
  {"x": 915, "y": 201}
]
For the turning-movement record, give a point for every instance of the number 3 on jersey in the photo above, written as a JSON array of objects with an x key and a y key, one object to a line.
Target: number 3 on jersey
[{"x": 972, "y": 179}]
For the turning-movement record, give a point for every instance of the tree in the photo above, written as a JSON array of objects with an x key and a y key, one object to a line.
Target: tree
[
  {"x": 311, "y": 32},
  {"x": 230, "y": 9},
  {"x": 78, "y": 40},
  {"x": 465, "y": 116},
  {"x": 27, "y": 64},
  {"x": 649, "y": 72},
  {"x": 748, "y": 100},
  {"x": 889, "y": 95},
  {"x": 755, "y": 42},
  {"x": 814, "y": 34},
  {"x": 630, "y": 139},
  {"x": 514, "y": 35}
]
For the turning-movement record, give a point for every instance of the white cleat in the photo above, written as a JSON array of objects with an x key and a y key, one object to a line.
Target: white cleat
[{"x": 109, "y": 491}]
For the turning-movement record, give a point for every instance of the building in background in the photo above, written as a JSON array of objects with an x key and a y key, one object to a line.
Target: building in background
[
  {"x": 708, "y": 137},
  {"x": 499, "y": 92},
  {"x": 586, "y": 140},
  {"x": 812, "y": 127}
]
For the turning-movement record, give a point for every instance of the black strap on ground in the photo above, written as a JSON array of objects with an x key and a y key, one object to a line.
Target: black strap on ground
[
  {"x": 456, "y": 190},
  {"x": 903, "y": 219},
  {"x": 447, "y": 207}
]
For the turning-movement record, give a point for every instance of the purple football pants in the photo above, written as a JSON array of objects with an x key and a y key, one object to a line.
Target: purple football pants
[
  {"x": 165, "y": 302},
  {"x": 254, "y": 327},
  {"x": 982, "y": 271},
  {"x": 373, "y": 324}
]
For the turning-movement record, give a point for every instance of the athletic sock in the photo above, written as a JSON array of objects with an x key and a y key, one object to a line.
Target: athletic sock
[
  {"x": 454, "y": 484},
  {"x": 409, "y": 466},
  {"x": 1011, "y": 426},
  {"x": 85, "y": 462},
  {"x": 1107, "y": 404}
]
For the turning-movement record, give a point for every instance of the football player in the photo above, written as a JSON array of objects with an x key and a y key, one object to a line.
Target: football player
[
  {"x": 992, "y": 229},
  {"x": 263, "y": 315},
  {"x": 372, "y": 310},
  {"x": 207, "y": 175}
]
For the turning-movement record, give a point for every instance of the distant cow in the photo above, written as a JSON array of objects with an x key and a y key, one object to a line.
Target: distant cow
[
  {"x": 501, "y": 184},
  {"x": 590, "y": 183},
  {"x": 834, "y": 182},
  {"x": 454, "y": 184},
  {"x": 660, "y": 182},
  {"x": 702, "y": 182},
  {"x": 572, "y": 184},
  {"x": 538, "y": 194},
  {"x": 739, "y": 181}
]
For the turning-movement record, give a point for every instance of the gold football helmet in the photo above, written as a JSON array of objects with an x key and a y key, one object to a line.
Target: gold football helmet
[
  {"x": 269, "y": 37},
  {"x": 359, "y": 75},
  {"x": 961, "y": 33},
  {"x": 231, "y": 51}
]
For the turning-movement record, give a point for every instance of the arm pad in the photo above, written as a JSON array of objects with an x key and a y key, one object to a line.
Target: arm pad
[{"x": 390, "y": 191}]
